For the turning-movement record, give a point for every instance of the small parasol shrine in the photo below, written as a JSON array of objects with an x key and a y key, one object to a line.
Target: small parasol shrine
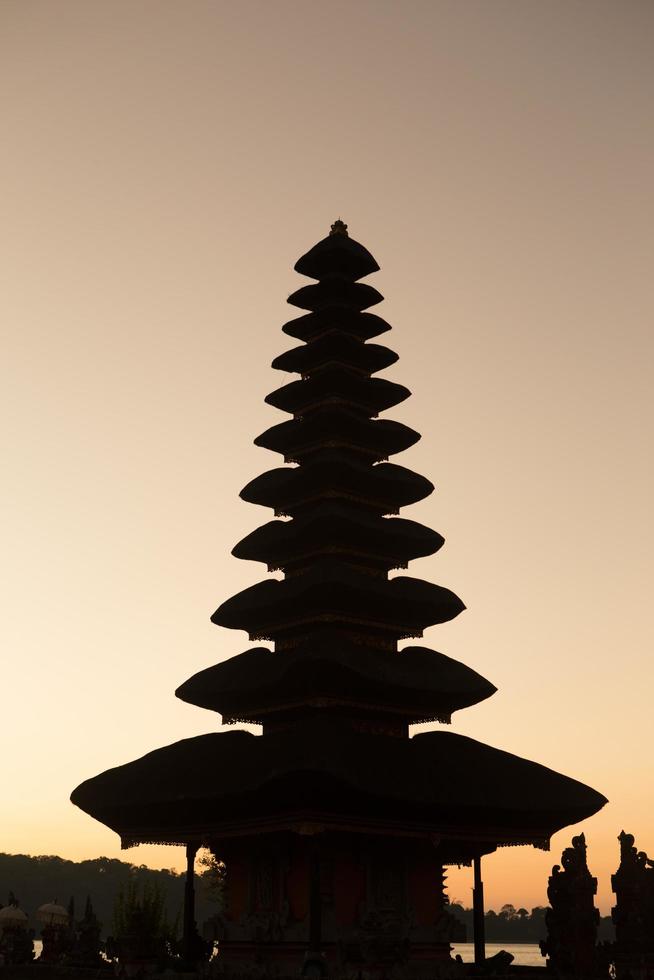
[{"x": 334, "y": 824}]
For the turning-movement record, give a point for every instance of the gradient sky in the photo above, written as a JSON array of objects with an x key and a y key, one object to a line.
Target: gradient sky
[{"x": 163, "y": 166}]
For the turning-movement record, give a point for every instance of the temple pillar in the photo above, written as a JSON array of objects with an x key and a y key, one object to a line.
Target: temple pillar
[
  {"x": 478, "y": 914},
  {"x": 315, "y": 900},
  {"x": 315, "y": 965},
  {"x": 190, "y": 929}
]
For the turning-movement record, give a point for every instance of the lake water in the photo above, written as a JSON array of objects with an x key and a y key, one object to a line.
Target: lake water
[{"x": 526, "y": 954}]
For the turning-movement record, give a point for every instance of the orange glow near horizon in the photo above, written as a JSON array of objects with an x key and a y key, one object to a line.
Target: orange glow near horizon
[{"x": 164, "y": 167}]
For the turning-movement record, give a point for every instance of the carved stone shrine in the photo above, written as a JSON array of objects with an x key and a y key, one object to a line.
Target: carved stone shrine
[
  {"x": 572, "y": 918},
  {"x": 633, "y": 912}
]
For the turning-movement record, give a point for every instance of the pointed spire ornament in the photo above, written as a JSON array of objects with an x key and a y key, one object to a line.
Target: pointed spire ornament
[{"x": 339, "y": 228}]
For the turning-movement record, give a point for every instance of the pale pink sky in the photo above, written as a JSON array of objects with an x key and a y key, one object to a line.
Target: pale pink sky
[{"x": 163, "y": 165}]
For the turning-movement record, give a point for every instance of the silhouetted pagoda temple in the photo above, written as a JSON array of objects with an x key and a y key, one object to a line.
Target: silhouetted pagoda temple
[{"x": 335, "y": 826}]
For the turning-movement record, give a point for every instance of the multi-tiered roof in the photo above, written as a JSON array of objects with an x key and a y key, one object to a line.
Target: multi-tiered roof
[
  {"x": 336, "y": 617},
  {"x": 336, "y": 696}
]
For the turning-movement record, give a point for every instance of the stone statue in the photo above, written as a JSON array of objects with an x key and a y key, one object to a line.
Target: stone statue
[
  {"x": 88, "y": 944},
  {"x": 633, "y": 912},
  {"x": 572, "y": 918}
]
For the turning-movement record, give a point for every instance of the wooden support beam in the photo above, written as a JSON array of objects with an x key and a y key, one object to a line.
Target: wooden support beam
[
  {"x": 478, "y": 914},
  {"x": 189, "y": 903},
  {"x": 315, "y": 899}
]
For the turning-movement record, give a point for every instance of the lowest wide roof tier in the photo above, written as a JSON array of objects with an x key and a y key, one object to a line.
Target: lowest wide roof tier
[{"x": 237, "y": 784}]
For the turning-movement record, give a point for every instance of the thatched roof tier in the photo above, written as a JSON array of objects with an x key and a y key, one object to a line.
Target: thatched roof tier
[
  {"x": 415, "y": 684},
  {"x": 336, "y": 428},
  {"x": 331, "y": 592},
  {"x": 336, "y": 386},
  {"x": 334, "y": 529},
  {"x": 335, "y": 349},
  {"x": 335, "y": 293},
  {"x": 384, "y": 488},
  {"x": 233, "y": 782},
  {"x": 337, "y": 257},
  {"x": 336, "y": 319}
]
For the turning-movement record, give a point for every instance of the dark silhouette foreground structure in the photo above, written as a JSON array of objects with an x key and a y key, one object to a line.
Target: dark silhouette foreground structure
[
  {"x": 633, "y": 913},
  {"x": 334, "y": 825},
  {"x": 572, "y": 919}
]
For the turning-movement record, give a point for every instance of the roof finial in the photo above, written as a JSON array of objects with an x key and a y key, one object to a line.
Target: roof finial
[{"x": 339, "y": 228}]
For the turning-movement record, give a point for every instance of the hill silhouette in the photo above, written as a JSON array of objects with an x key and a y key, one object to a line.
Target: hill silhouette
[
  {"x": 40, "y": 879},
  {"x": 517, "y": 925}
]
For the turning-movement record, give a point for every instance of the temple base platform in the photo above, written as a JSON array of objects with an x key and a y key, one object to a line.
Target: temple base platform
[{"x": 333, "y": 904}]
